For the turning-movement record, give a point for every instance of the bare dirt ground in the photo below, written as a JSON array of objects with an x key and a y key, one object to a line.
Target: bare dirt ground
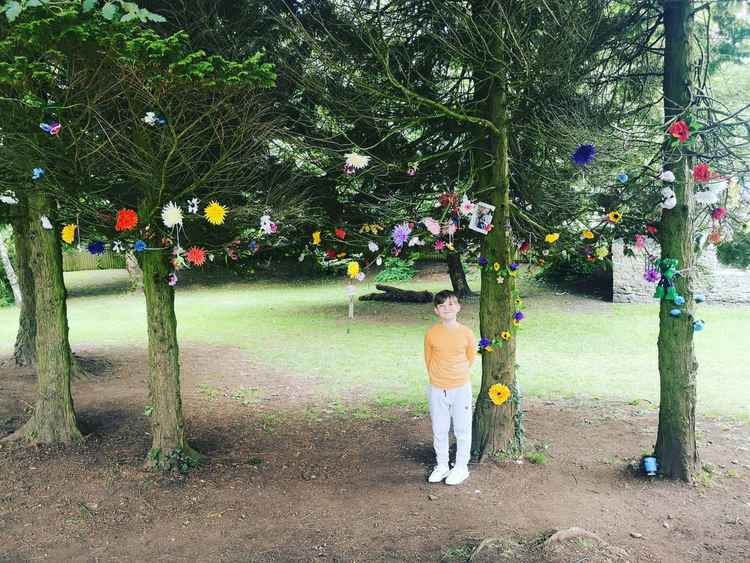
[{"x": 294, "y": 477}]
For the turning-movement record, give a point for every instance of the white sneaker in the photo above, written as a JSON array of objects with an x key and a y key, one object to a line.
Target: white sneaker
[
  {"x": 457, "y": 475},
  {"x": 439, "y": 473}
]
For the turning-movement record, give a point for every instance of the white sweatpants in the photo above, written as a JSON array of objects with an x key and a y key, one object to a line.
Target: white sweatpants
[{"x": 446, "y": 406}]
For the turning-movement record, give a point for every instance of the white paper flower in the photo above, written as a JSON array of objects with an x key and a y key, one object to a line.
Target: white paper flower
[
  {"x": 467, "y": 207},
  {"x": 9, "y": 198},
  {"x": 171, "y": 215},
  {"x": 667, "y": 176},
  {"x": 670, "y": 199},
  {"x": 415, "y": 241},
  {"x": 301, "y": 257},
  {"x": 117, "y": 246},
  {"x": 266, "y": 225},
  {"x": 356, "y": 160},
  {"x": 379, "y": 260},
  {"x": 360, "y": 276},
  {"x": 46, "y": 222},
  {"x": 192, "y": 205},
  {"x": 706, "y": 198},
  {"x": 373, "y": 246},
  {"x": 149, "y": 118}
]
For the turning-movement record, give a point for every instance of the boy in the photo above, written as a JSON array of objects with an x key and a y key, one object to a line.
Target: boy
[{"x": 449, "y": 351}]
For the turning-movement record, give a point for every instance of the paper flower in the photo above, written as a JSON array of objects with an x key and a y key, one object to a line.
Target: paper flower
[
  {"x": 714, "y": 237},
  {"x": 416, "y": 241},
  {"x": 215, "y": 213},
  {"x": 679, "y": 130},
  {"x": 498, "y": 393},
  {"x": 401, "y": 234},
  {"x": 172, "y": 279},
  {"x": 352, "y": 269},
  {"x": 719, "y": 213},
  {"x": 513, "y": 266},
  {"x": 69, "y": 233},
  {"x": 9, "y": 197},
  {"x": 316, "y": 238},
  {"x": 679, "y": 300},
  {"x": 448, "y": 199},
  {"x": 96, "y": 248},
  {"x": 601, "y": 252},
  {"x": 139, "y": 246},
  {"x": 614, "y": 216},
  {"x": 354, "y": 162},
  {"x": 126, "y": 220},
  {"x": 667, "y": 176},
  {"x": 360, "y": 276},
  {"x": 622, "y": 177},
  {"x": 152, "y": 119},
  {"x": 584, "y": 154},
  {"x": 702, "y": 173},
  {"x": 196, "y": 255},
  {"x": 52, "y": 128},
  {"x": 46, "y": 224},
  {"x": 484, "y": 343},
  {"x": 171, "y": 215},
  {"x": 379, "y": 261},
  {"x": 551, "y": 238},
  {"x": 651, "y": 275},
  {"x": 37, "y": 173},
  {"x": 373, "y": 246},
  {"x": 670, "y": 199},
  {"x": 340, "y": 233},
  {"x": 587, "y": 234},
  {"x": 482, "y": 261},
  {"x": 518, "y": 316},
  {"x": 267, "y": 226},
  {"x": 466, "y": 207},
  {"x": 640, "y": 242},
  {"x": 192, "y": 205},
  {"x": 439, "y": 245},
  {"x": 411, "y": 170},
  {"x": 117, "y": 246},
  {"x": 707, "y": 198},
  {"x": 505, "y": 335},
  {"x": 496, "y": 266},
  {"x": 431, "y": 225},
  {"x": 525, "y": 247},
  {"x": 650, "y": 229},
  {"x": 698, "y": 325}
]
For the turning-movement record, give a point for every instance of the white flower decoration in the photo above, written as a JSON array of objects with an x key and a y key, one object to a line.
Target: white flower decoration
[
  {"x": 9, "y": 198},
  {"x": 192, "y": 205},
  {"x": 46, "y": 224},
  {"x": 415, "y": 241},
  {"x": 117, "y": 246},
  {"x": 670, "y": 199},
  {"x": 373, "y": 246},
  {"x": 707, "y": 198},
  {"x": 356, "y": 160},
  {"x": 149, "y": 118},
  {"x": 266, "y": 225},
  {"x": 379, "y": 260},
  {"x": 667, "y": 176},
  {"x": 171, "y": 215}
]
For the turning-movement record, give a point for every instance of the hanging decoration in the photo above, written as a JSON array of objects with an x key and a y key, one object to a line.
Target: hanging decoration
[
  {"x": 68, "y": 234},
  {"x": 354, "y": 162},
  {"x": 126, "y": 220},
  {"x": 52, "y": 128},
  {"x": 192, "y": 205},
  {"x": 46, "y": 223},
  {"x": 171, "y": 215},
  {"x": 8, "y": 197},
  {"x": 668, "y": 269},
  {"x": 215, "y": 213},
  {"x": 679, "y": 130},
  {"x": 152, "y": 119},
  {"x": 196, "y": 255},
  {"x": 583, "y": 155},
  {"x": 499, "y": 393},
  {"x": 669, "y": 198},
  {"x": 37, "y": 173},
  {"x": 96, "y": 248}
]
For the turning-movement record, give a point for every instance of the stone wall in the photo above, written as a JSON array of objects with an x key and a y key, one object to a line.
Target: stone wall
[{"x": 720, "y": 284}]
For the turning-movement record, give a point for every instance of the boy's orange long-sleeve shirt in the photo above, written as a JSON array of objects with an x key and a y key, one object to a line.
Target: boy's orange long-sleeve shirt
[{"x": 449, "y": 353}]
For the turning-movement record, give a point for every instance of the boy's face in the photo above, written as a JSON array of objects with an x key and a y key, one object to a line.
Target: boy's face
[{"x": 448, "y": 310}]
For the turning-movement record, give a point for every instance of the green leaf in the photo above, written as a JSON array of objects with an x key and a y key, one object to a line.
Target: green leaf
[
  {"x": 34, "y": 3},
  {"x": 155, "y": 17},
  {"x": 12, "y": 10},
  {"x": 129, "y": 17},
  {"x": 89, "y": 5},
  {"x": 108, "y": 11},
  {"x": 130, "y": 7}
]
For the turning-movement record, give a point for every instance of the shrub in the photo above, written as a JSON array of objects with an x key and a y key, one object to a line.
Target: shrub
[
  {"x": 735, "y": 252},
  {"x": 396, "y": 270}
]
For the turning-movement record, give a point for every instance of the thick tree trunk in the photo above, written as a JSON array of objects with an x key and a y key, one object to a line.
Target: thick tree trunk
[
  {"x": 25, "y": 348},
  {"x": 496, "y": 429},
  {"x": 676, "y": 448},
  {"x": 169, "y": 447},
  {"x": 10, "y": 272},
  {"x": 458, "y": 276},
  {"x": 54, "y": 419}
]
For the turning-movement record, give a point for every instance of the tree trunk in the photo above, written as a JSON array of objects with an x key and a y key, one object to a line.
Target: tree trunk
[
  {"x": 495, "y": 429},
  {"x": 54, "y": 419},
  {"x": 676, "y": 449},
  {"x": 169, "y": 447},
  {"x": 458, "y": 276},
  {"x": 25, "y": 348},
  {"x": 10, "y": 272},
  {"x": 135, "y": 274}
]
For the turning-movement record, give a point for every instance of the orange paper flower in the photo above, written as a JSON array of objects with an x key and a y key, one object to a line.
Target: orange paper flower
[{"x": 127, "y": 219}]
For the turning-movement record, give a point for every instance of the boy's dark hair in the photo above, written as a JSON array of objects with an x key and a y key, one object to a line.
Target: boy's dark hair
[{"x": 443, "y": 296}]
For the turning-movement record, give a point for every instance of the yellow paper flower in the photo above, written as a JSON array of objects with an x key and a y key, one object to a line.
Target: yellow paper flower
[
  {"x": 215, "y": 213},
  {"x": 341, "y": 255},
  {"x": 496, "y": 266},
  {"x": 519, "y": 302},
  {"x": 516, "y": 322},
  {"x": 69, "y": 233},
  {"x": 352, "y": 269},
  {"x": 552, "y": 238},
  {"x": 601, "y": 252},
  {"x": 614, "y": 216},
  {"x": 489, "y": 349},
  {"x": 505, "y": 335},
  {"x": 316, "y": 237},
  {"x": 512, "y": 273},
  {"x": 499, "y": 393},
  {"x": 587, "y": 234}
]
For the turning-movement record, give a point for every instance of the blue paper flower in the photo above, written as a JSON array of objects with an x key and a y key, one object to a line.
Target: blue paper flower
[
  {"x": 518, "y": 315},
  {"x": 584, "y": 154},
  {"x": 96, "y": 248},
  {"x": 513, "y": 266},
  {"x": 139, "y": 246},
  {"x": 484, "y": 342},
  {"x": 622, "y": 177},
  {"x": 37, "y": 173},
  {"x": 482, "y": 261}
]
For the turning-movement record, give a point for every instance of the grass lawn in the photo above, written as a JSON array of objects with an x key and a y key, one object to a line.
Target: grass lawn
[{"x": 569, "y": 346}]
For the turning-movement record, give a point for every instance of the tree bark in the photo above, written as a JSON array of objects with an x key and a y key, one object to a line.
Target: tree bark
[
  {"x": 458, "y": 275},
  {"x": 54, "y": 418},
  {"x": 169, "y": 446},
  {"x": 676, "y": 447},
  {"x": 495, "y": 429},
  {"x": 25, "y": 347},
  {"x": 10, "y": 272}
]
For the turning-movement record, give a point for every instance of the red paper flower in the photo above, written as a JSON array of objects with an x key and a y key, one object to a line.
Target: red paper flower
[
  {"x": 524, "y": 248},
  {"x": 127, "y": 219},
  {"x": 341, "y": 233},
  {"x": 702, "y": 173},
  {"x": 196, "y": 255},
  {"x": 330, "y": 253},
  {"x": 719, "y": 213},
  {"x": 650, "y": 229},
  {"x": 679, "y": 130},
  {"x": 714, "y": 237}
]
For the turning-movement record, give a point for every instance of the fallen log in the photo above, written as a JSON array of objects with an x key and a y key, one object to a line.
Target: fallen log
[{"x": 398, "y": 295}]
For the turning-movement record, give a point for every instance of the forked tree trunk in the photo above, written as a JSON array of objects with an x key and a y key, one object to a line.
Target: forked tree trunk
[
  {"x": 458, "y": 275},
  {"x": 25, "y": 348},
  {"x": 495, "y": 429},
  {"x": 169, "y": 446},
  {"x": 54, "y": 419},
  {"x": 676, "y": 448}
]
